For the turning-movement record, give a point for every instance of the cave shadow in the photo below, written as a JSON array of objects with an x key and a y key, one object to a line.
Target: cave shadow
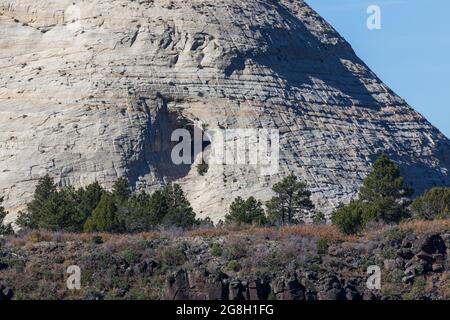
[{"x": 156, "y": 157}]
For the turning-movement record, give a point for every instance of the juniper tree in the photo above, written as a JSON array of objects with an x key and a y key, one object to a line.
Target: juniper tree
[
  {"x": 33, "y": 214},
  {"x": 248, "y": 211}
]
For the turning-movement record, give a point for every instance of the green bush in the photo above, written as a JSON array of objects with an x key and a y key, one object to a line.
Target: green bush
[
  {"x": 349, "y": 218},
  {"x": 216, "y": 250},
  {"x": 433, "y": 204},
  {"x": 97, "y": 239},
  {"x": 130, "y": 256},
  {"x": 173, "y": 256},
  {"x": 202, "y": 168},
  {"x": 322, "y": 246},
  {"x": 248, "y": 211},
  {"x": 234, "y": 265}
]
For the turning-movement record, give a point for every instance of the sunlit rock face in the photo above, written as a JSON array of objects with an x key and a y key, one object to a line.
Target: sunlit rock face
[{"x": 92, "y": 90}]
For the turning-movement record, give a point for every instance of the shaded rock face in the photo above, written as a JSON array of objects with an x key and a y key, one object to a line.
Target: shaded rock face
[{"x": 92, "y": 90}]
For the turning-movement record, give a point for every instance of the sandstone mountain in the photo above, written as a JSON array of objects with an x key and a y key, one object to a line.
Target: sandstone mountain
[{"x": 91, "y": 90}]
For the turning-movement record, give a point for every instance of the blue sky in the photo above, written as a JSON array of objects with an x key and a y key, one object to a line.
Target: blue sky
[{"x": 411, "y": 52}]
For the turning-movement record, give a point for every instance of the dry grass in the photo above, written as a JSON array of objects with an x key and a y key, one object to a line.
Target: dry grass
[
  {"x": 209, "y": 233},
  {"x": 419, "y": 226},
  {"x": 328, "y": 232}
]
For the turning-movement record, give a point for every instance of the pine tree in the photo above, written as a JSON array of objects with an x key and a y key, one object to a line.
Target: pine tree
[
  {"x": 44, "y": 189},
  {"x": 248, "y": 211},
  {"x": 105, "y": 217},
  {"x": 384, "y": 191},
  {"x": 290, "y": 204}
]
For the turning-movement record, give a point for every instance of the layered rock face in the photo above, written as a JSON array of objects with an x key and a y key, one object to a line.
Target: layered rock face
[{"x": 92, "y": 90}]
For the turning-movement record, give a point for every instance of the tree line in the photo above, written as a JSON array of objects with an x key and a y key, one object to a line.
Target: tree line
[{"x": 382, "y": 197}]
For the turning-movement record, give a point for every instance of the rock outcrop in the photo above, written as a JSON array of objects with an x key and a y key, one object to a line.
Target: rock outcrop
[
  {"x": 271, "y": 266},
  {"x": 91, "y": 90}
]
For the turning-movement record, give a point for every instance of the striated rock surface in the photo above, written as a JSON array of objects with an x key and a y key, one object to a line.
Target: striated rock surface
[{"x": 91, "y": 90}]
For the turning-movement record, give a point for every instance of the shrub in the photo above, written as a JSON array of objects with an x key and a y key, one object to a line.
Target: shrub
[
  {"x": 322, "y": 246},
  {"x": 173, "y": 256},
  {"x": 130, "y": 256},
  {"x": 433, "y": 204},
  {"x": 291, "y": 202},
  {"x": 349, "y": 218},
  {"x": 248, "y": 211},
  {"x": 97, "y": 239},
  {"x": 202, "y": 168},
  {"x": 319, "y": 218},
  {"x": 216, "y": 250},
  {"x": 234, "y": 265}
]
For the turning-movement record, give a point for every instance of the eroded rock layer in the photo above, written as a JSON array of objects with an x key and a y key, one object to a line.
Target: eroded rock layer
[{"x": 91, "y": 90}]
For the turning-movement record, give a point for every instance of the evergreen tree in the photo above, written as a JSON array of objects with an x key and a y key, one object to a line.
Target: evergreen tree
[
  {"x": 140, "y": 217},
  {"x": 248, "y": 211},
  {"x": 121, "y": 190},
  {"x": 384, "y": 192},
  {"x": 105, "y": 217},
  {"x": 4, "y": 229},
  {"x": 180, "y": 213},
  {"x": 44, "y": 189},
  {"x": 89, "y": 198},
  {"x": 291, "y": 202},
  {"x": 433, "y": 204},
  {"x": 349, "y": 218},
  {"x": 60, "y": 212}
]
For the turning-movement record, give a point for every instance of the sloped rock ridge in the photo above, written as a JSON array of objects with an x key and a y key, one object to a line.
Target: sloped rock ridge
[{"x": 91, "y": 90}]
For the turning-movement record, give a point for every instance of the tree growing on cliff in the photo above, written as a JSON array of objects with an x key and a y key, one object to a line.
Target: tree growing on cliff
[
  {"x": 248, "y": 211},
  {"x": 291, "y": 203}
]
